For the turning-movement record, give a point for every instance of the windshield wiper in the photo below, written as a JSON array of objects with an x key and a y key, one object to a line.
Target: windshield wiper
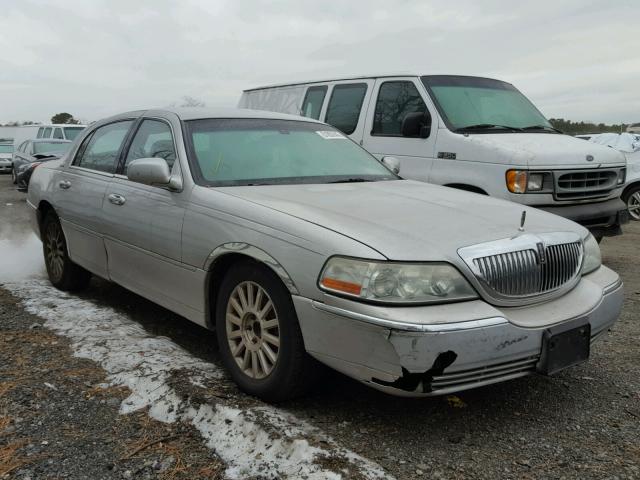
[
  {"x": 542, "y": 127},
  {"x": 487, "y": 126},
  {"x": 352, "y": 180}
]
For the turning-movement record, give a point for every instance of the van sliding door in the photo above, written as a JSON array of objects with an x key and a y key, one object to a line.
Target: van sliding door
[{"x": 347, "y": 107}]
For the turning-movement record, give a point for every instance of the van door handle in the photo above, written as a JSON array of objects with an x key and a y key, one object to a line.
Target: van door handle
[
  {"x": 116, "y": 199},
  {"x": 64, "y": 184}
]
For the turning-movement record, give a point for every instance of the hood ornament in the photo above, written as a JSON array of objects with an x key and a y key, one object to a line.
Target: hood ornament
[{"x": 522, "y": 220}]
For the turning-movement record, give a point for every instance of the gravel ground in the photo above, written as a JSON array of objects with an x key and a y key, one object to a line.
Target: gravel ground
[{"x": 59, "y": 419}]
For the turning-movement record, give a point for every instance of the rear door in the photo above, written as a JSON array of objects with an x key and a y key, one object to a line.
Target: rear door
[
  {"x": 393, "y": 99},
  {"x": 347, "y": 105},
  {"x": 79, "y": 193}
]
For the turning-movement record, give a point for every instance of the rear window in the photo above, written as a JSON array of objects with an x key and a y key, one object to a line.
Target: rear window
[
  {"x": 6, "y": 148},
  {"x": 344, "y": 107},
  {"x": 51, "y": 147}
]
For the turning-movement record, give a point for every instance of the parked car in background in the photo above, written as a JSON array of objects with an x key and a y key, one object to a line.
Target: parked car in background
[
  {"x": 475, "y": 134},
  {"x": 6, "y": 155},
  {"x": 294, "y": 243},
  {"x": 60, "y": 131},
  {"x": 32, "y": 153},
  {"x": 629, "y": 145}
]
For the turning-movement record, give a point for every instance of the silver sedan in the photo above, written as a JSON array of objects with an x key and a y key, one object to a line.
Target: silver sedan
[{"x": 298, "y": 247}]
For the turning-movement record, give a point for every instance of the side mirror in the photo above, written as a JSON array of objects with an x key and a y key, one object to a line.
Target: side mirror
[
  {"x": 392, "y": 163},
  {"x": 149, "y": 171},
  {"x": 416, "y": 124}
]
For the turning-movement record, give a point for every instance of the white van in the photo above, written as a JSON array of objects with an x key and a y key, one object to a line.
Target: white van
[
  {"x": 67, "y": 131},
  {"x": 476, "y": 134}
]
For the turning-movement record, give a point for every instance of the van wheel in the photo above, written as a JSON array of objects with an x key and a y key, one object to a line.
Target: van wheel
[
  {"x": 632, "y": 199},
  {"x": 63, "y": 273},
  {"x": 259, "y": 336}
]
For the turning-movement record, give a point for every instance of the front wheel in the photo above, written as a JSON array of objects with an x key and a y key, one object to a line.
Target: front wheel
[
  {"x": 632, "y": 199},
  {"x": 258, "y": 334},
  {"x": 63, "y": 273}
]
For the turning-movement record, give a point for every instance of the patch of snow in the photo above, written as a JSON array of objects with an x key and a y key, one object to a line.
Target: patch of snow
[{"x": 261, "y": 441}]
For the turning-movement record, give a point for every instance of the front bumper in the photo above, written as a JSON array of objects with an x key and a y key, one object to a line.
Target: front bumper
[
  {"x": 602, "y": 218},
  {"x": 5, "y": 166},
  {"x": 435, "y": 350}
]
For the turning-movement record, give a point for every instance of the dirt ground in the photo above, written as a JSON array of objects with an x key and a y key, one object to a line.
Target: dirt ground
[{"x": 59, "y": 416}]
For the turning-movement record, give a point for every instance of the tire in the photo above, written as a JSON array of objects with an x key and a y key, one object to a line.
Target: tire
[
  {"x": 14, "y": 179},
  {"x": 631, "y": 198},
  {"x": 63, "y": 273},
  {"x": 251, "y": 366}
]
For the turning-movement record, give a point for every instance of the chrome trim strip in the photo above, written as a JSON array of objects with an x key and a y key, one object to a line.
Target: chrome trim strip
[
  {"x": 613, "y": 287},
  {"x": 411, "y": 327},
  {"x": 255, "y": 253}
]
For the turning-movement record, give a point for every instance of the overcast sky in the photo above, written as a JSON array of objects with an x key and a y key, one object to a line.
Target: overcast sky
[{"x": 575, "y": 59}]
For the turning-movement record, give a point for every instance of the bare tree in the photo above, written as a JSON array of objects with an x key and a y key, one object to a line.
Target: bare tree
[{"x": 191, "y": 102}]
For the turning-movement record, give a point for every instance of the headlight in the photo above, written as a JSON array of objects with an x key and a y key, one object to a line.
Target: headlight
[
  {"x": 523, "y": 181},
  {"x": 592, "y": 257},
  {"x": 387, "y": 282}
]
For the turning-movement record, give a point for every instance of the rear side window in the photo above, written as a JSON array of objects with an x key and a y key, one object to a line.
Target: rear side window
[
  {"x": 47, "y": 132},
  {"x": 100, "y": 150},
  {"x": 153, "y": 139},
  {"x": 57, "y": 133},
  {"x": 313, "y": 100},
  {"x": 345, "y": 105},
  {"x": 395, "y": 101},
  {"x": 40, "y": 132}
]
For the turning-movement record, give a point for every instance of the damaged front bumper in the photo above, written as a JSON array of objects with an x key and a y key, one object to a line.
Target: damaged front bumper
[{"x": 440, "y": 349}]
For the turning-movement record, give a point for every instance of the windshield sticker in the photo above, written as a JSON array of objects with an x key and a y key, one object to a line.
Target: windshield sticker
[{"x": 330, "y": 134}]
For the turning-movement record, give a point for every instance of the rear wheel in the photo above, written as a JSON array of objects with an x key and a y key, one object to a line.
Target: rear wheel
[
  {"x": 258, "y": 334},
  {"x": 632, "y": 198},
  {"x": 63, "y": 273}
]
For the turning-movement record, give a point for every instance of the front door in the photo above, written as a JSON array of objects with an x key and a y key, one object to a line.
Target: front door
[{"x": 392, "y": 100}]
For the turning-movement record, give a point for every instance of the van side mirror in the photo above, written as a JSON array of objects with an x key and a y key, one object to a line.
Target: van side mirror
[
  {"x": 392, "y": 163},
  {"x": 149, "y": 171},
  {"x": 416, "y": 124}
]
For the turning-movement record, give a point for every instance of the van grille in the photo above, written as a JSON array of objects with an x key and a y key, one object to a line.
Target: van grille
[
  {"x": 585, "y": 184},
  {"x": 529, "y": 272}
]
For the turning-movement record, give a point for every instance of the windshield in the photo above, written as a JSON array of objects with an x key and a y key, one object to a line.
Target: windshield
[
  {"x": 259, "y": 151},
  {"x": 471, "y": 101},
  {"x": 71, "y": 133},
  {"x": 51, "y": 147},
  {"x": 6, "y": 148}
]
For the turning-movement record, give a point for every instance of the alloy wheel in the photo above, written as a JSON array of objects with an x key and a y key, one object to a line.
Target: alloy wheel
[
  {"x": 633, "y": 205},
  {"x": 253, "y": 330},
  {"x": 54, "y": 251}
]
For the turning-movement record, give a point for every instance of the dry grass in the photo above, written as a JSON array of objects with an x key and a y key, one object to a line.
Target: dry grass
[
  {"x": 9, "y": 458},
  {"x": 6, "y": 387}
]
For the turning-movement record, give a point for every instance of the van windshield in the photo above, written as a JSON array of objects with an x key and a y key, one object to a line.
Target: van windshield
[
  {"x": 71, "y": 133},
  {"x": 473, "y": 104},
  {"x": 243, "y": 151}
]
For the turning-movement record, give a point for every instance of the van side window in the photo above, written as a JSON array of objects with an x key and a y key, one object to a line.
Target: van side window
[
  {"x": 152, "y": 140},
  {"x": 345, "y": 105},
  {"x": 47, "y": 132},
  {"x": 395, "y": 100},
  {"x": 57, "y": 133},
  {"x": 40, "y": 132},
  {"x": 100, "y": 150},
  {"x": 312, "y": 103}
]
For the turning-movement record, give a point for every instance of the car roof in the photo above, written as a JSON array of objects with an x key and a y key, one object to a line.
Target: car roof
[
  {"x": 204, "y": 113},
  {"x": 49, "y": 140},
  {"x": 362, "y": 77}
]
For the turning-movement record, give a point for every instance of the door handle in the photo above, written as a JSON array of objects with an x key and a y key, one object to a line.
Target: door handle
[
  {"x": 64, "y": 184},
  {"x": 116, "y": 199}
]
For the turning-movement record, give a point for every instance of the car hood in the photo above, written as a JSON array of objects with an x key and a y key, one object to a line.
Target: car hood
[
  {"x": 541, "y": 150},
  {"x": 403, "y": 219}
]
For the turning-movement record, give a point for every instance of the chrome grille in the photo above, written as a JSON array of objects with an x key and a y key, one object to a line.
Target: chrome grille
[
  {"x": 585, "y": 184},
  {"x": 527, "y": 272}
]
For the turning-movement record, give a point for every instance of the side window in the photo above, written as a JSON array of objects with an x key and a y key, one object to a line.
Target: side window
[
  {"x": 47, "y": 132},
  {"x": 345, "y": 105},
  {"x": 153, "y": 139},
  {"x": 57, "y": 133},
  {"x": 40, "y": 132},
  {"x": 100, "y": 150},
  {"x": 312, "y": 103},
  {"x": 395, "y": 101}
]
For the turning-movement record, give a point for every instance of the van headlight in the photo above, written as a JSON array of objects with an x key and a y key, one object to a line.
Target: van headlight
[
  {"x": 592, "y": 257},
  {"x": 390, "y": 282}
]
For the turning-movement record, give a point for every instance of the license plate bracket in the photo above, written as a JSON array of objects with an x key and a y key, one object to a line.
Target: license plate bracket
[{"x": 564, "y": 346}]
